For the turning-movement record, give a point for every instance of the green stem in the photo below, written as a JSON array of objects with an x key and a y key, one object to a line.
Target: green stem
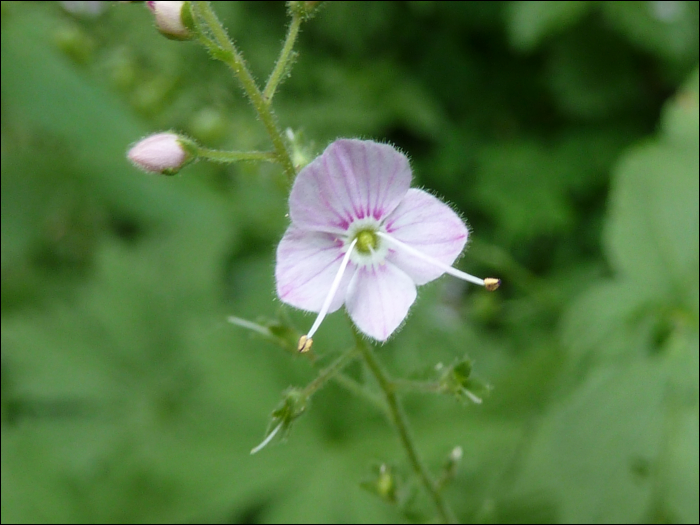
[
  {"x": 417, "y": 386},
  {"x": 282, "y": 65},
  {"x": 228, "y": 157},
  {"x": 330, "y": 371},
  {"x": 400, "y": 422},
  {"x": 227, "y": 53}
]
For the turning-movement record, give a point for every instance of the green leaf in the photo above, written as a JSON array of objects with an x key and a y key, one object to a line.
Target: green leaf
[
  {"x": 667, "y": 29},
  {"x": 601, "y": 449},
  {"x": 652, "y": 235},
  {"x": 529, "y": 23},
  {"x": 627, "y": 423}
]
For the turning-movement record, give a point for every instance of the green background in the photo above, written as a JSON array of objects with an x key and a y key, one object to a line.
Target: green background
[{"x": 565, "y": 133}]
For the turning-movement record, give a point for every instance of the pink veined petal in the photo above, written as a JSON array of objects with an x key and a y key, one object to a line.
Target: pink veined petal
[
  {"x": 352, "y": 179},
  {"x": 307, "y": 263},
  {"x": 378, "y": 299},
  {"x": 430, "y": 226}
]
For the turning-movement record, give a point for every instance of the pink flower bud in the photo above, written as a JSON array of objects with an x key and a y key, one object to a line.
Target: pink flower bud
[
  {"x": 169, "y": 19},
  {"x": 164, "y": 153}
]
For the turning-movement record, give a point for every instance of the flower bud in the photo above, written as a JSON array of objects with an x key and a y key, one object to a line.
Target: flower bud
[
  {"x": 384, "y": 483},
  {"x": 164, "y": 153},
  {"x": 172, "y": 19},
  {"x": 304, "y": 10},
  {"x": 458, "y": 380}
]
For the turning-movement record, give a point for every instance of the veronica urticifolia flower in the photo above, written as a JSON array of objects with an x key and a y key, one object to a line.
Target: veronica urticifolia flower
[{"x": 361, "y": 236}]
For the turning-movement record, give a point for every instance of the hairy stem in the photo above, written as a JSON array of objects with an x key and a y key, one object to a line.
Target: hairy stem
[
  {"x": 408, "y": 385},
  {"x": 330, "y": 371},
  {"x": 227, "y": 157},
  {"x": 282, "y": 65},
  {"x": 227, "y": 52},
  {"x": 400, "y": 422}
]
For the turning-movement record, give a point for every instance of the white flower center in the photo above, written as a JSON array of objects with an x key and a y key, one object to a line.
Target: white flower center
[{"x": 370, "y": 248}]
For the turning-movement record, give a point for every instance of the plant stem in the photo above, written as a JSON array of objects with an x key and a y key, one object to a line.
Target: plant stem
[
  {"x": 228, "y": 54},
  {"x": 409, "y": 385},
  {"x": 281, "y": 67},
  {"x": 330, "y": 371},
  {"x": 228, "y": 157},
  {"x": 399, "y": 419}
]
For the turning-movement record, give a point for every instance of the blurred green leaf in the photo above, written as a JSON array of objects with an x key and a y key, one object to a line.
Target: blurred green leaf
[
  {"x": 637, "y": 396},
  {"x": 531, "y": 22},
  {"x": 652, "y": 237}
]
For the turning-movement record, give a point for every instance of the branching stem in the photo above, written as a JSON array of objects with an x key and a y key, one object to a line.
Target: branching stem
[
  {"x": 399, "y": 420},
  {"x": 227, "y": 52}
]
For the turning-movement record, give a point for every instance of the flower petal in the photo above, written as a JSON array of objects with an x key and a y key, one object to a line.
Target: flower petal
[
  {"x": 430, "y": 226},
  {"x": 307, "y": 263},
  {"x": 351, "y": 180},
  {"x": 378, "y": 299}
]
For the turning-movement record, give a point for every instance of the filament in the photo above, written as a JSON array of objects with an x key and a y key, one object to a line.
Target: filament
[
  {"x": 332, "y": 291},
  {"x": 445, "y": 268}
]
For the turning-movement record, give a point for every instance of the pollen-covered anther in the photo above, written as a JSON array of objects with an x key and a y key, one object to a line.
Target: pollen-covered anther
[
  {"x": 305, "y": 343},
  {"x": 492, "y": 284}
]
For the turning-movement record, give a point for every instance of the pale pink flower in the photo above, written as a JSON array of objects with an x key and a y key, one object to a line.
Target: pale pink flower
[
  {"x": 160, "y": 153},
  {"x": 360, "y": 236}
]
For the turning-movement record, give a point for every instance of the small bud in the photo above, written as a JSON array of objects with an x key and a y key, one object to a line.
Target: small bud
[
  {"x": 172, "y": 19},
  {"x": 301, "y": 152},
  {"x": 164, "y": 153},
  {"x": 449, "y": 468},
  {"x": 383, "y": 482},
  {"x": 305, "y": 10}
]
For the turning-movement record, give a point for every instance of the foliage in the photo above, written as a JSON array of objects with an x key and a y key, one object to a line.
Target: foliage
[{"x": 567, "y": 135}]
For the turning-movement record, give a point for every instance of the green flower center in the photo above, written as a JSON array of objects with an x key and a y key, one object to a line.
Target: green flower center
[{"x": 367, "y": 241}]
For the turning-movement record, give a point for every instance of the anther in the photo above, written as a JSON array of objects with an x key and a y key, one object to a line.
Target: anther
[
  {"x": 491, "y": 284},
  {"x": 305, "y": 343}
]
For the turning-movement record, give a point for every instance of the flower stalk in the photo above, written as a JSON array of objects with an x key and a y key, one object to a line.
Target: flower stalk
[
  {"x": 284, "y": 61},
  {"x": 227, "y": 157},
  {"x": 227, "y": 52},
  {"x": 398, "y": 418},
  {"x": 331, "y": 371}
]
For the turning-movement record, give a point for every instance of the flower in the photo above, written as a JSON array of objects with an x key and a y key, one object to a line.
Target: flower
[
  {"x": 360, "y": 236},
  {"x": 169, "y": 19},
  {"x": 164, "y": 153}
]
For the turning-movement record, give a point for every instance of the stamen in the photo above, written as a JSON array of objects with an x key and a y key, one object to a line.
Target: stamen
[
  {"x": 305, "y": 340},
  {"x": 490, "y": 283},
  {"x": 266, "y": 440}
]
